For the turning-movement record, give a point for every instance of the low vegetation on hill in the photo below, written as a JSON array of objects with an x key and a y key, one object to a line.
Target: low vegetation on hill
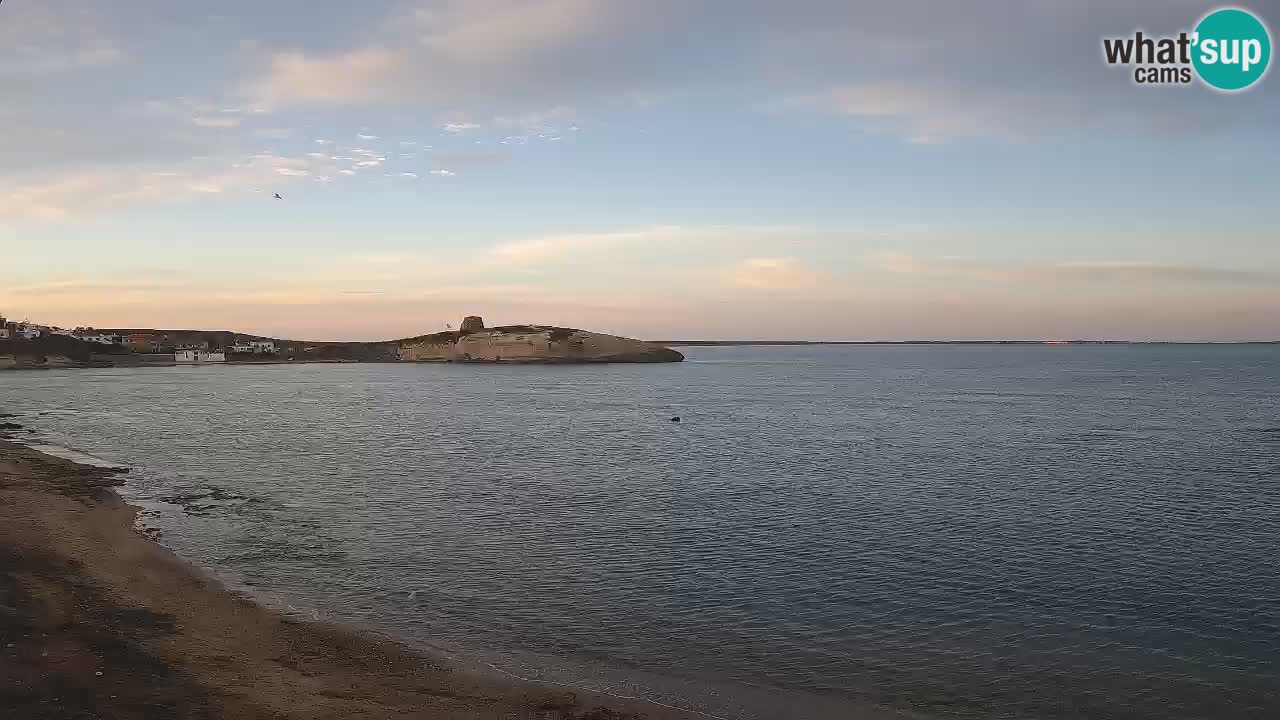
[{"x": 58, "y": 346}]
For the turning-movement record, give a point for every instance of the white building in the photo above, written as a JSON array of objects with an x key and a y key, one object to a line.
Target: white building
[
  {"x": 196, "y": 357},
  {"x": 27, "y": 331},
  {"x": 263, "y": 346},
  {"x": 100, "y": 338}
]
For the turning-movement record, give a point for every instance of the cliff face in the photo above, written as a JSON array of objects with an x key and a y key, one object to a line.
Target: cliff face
[{"x": 531, "y": 344}]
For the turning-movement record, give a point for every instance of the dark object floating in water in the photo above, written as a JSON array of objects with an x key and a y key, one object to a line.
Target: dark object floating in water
[
  {"x": 675, "y": 419},
  {"x": 10, "y": 426},
  {"x": 278, "y": 196}
]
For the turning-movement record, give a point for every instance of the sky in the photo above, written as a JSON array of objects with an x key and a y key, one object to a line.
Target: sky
[{"x": 733, "y": 169}]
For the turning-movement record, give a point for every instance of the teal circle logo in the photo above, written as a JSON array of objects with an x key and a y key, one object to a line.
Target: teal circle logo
[{"x": 1231, "y": 49}]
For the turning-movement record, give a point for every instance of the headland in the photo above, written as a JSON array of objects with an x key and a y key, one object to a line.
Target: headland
[{"x": 40, "y": 347}]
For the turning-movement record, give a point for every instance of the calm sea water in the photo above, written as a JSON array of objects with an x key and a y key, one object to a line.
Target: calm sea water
[{"x": 1030, "y": 532}]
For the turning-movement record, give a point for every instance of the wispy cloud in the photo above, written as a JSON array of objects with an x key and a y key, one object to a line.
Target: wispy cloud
[
  {"x": 529, "y": 63},
  {"x": 366, "y": 74},
  {"x": 1109, "y": 271},
  {"x": 551, "y": 247},
  {"x": 88, "y": 190},
  {"x": 78, "y": 287},
  {"x": 774, "y": 274},
  {"x": 66, "y": 195},
  {"x": 216, "y": 122},
  {"x": 41, "y": 39}
]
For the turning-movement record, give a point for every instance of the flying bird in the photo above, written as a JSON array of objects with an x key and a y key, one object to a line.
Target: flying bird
[{"x": 277, "y": 194}]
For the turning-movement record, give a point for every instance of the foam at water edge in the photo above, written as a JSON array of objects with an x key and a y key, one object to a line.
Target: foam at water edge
[{"x": 71, "y": 454}]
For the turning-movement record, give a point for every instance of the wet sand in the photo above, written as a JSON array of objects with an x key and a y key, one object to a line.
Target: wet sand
[{"x": 97, "y": 621}]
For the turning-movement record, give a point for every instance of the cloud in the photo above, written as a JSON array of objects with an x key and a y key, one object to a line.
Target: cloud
[
  {"x": 527, "y": 69},
  {"x": 409, "y": 175},
  {"x": 65, "y": 195},
  {"x": 444, "y": 173},
  {"x": 385, "y": 258},
  {"x": 1127, "y": 271},
  {"x": 774, "y": 274},
  {"x": 747, "y": 282},
  {"x": 1044, "y": 67},
  {"x": 216, "y": 122},
  {"x": 358, "y": 75},
  {"x": 515, "y": 30},
  {"x": 44, "y": 39},
  {"x": 75, "y": 287},
  {"x": 363, "y": 136},
  {"x": 41, "y": 64},
  {"x": 502, "y": 57},
  {"x": 89, "y": 190},
  {"x": 537, "y": 119},
  {"x": 554, "y": 247},
  {"x": 1117, "y": 272},
  {"x": 906, "y": 68}
]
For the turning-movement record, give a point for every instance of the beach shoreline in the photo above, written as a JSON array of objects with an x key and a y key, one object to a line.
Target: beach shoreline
[{"x": 97, "y": 620}]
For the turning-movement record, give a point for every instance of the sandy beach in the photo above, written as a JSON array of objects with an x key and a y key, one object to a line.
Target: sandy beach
[{"x": 97, "y": 621}]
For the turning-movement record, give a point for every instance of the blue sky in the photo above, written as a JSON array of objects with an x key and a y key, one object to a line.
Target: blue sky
[{"x": 749, "y": 169}]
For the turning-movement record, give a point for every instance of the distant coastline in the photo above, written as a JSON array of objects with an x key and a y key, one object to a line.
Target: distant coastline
[{"x": 29, "y": 346}]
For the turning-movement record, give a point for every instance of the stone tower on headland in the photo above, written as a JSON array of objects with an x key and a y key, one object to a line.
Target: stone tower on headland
[{"x": 472, "y": 323}]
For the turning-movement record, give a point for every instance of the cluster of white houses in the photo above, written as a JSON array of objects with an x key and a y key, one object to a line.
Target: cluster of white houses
[
  {"x": 20, "y": 330},
  {"x": 152, "y": 343}
]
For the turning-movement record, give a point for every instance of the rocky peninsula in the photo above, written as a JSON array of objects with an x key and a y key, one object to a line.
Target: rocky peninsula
[{"x": 473, "y": 342}]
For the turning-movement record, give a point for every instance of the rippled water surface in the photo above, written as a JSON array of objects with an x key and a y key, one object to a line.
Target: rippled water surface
[{"x": 1032, "y": 532}]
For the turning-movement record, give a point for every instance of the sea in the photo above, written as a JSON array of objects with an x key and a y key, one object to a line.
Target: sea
[{"x": 960, "y": 531}]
